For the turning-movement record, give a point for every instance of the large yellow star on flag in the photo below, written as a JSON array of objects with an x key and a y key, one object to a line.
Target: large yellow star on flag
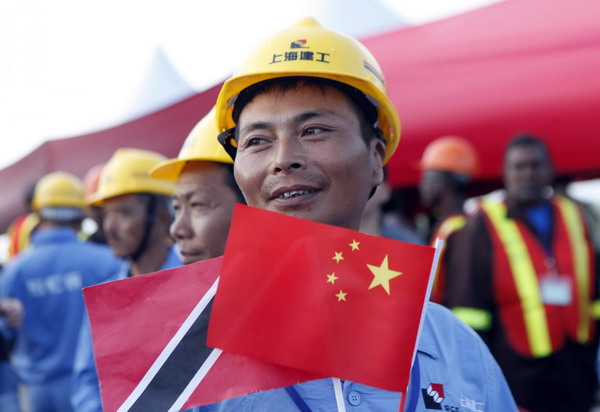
[{"x": 382, "y": 275}]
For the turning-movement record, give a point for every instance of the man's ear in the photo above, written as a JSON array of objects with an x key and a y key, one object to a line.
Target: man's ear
[{"x": 378, "y": 153}]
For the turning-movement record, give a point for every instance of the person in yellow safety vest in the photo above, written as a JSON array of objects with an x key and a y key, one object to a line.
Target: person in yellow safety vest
[
  {"x": 524, "y": 276},
  {"x": 20, "y": 230},
  {"x": 448, "y": 164}
]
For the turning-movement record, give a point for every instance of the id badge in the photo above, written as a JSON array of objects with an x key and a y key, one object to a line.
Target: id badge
[{"x": 556, "y": 290}]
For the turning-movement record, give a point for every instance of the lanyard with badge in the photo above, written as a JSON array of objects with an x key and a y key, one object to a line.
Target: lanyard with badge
[{"x": 555, "y": 288}]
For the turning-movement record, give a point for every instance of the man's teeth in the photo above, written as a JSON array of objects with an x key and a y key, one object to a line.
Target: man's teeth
[{"x": 295, "y": 193}]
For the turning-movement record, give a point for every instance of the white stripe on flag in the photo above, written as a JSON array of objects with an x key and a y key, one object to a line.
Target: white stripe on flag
[
  {"x": 159, "y": 362},
  {"x": 198, "y": 377}
]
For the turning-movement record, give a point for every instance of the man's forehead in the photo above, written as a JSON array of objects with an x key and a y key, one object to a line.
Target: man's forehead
[
  {"x": 527, "y": 152},
  {"x": 311, "y": 100}
]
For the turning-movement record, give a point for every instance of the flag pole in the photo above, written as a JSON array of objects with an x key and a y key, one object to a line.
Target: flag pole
[
  {"x": 439, "y": 245},
  {"x": 339, "y": 395}
]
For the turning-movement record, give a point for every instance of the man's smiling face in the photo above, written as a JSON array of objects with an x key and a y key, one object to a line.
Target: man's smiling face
[{"x": 301, "y": 153}]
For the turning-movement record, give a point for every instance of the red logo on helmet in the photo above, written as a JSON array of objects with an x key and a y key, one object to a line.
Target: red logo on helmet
[{"x": 298, "y": 44}]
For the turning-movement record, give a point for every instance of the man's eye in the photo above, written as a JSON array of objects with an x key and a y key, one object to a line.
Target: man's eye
[
  {"x": 255, "y": 141},
  {"x": 198, "y": 204},
  {"x": 313, "y": 130}
]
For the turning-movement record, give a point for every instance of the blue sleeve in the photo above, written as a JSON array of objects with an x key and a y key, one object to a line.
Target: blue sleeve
[
  {"x": 7, "y": 290},
  {"x": 85, "y": 395}
]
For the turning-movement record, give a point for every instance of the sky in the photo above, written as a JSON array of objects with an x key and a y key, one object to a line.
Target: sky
[{"x": 69, "y": 67}]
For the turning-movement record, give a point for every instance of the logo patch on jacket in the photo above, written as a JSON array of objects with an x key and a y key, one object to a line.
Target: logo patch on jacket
[{"x": 433, "y": 396}]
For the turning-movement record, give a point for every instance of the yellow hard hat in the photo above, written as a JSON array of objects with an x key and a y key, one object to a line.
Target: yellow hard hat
[
  {"x": 128, "y": 171},
  {"x": 308, "y": 49},
  {"x": 59, "y": 196},
  {"x": 201, "y": 145},
  {"x": 450, "y": 154}
]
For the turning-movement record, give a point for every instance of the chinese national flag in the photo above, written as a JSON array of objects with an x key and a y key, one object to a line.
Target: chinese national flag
[
  {"x": 149, "y": 336},
  {"x": 324, "y": 299}
]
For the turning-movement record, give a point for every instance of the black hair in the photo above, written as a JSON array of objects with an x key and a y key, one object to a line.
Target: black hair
[
  {"x": 528, "y": 140},
  {"x": 230, "y": 181}
]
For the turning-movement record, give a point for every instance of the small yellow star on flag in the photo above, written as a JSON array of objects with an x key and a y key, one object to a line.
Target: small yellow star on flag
[
  {"x": 382, "y": 275},
  {"x": 341, "y": 296},
  {"x": 338, "y": 256},
  {"x": 354, "y": 245},
  {"x": 332, "y": 278}
]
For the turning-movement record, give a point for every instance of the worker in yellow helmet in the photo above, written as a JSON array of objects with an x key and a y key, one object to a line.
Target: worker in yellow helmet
[
  {"x": 448, "y": 165},
  {"x": 42, "y": 304},
  {"x": 309, "y": 122},
  {"x": 205, "y": 193},
  {"x": 137, "y": 213}
]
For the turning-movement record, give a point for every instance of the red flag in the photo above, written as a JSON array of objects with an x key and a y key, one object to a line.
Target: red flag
[
  {"x": 320, "y": 298},
  {"x": 149, "y": 335}
]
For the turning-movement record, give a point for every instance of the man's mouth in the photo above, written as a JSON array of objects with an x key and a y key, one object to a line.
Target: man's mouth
[{"x": 295, "y": 193}]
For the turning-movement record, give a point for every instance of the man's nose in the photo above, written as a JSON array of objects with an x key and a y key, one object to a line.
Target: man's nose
[
  {"x": 181, "y": 227},
  {"x": 289, "y": 154}
]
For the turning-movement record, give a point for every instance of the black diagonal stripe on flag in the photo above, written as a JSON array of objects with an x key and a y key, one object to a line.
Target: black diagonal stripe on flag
[{"x": 178, "y": 370}]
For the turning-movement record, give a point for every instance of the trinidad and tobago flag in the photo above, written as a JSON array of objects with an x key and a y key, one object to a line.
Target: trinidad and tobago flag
[{"x": 149, "y": 335}]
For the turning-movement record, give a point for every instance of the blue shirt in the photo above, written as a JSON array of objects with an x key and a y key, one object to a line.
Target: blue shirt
[
  {"x": 86, "y": 394},
  {"x": 456, "y": 372},
  {"x": 47, "y": 279}
]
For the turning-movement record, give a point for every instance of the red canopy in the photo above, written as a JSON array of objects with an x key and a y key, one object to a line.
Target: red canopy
[{"x": 517, "y": 65}]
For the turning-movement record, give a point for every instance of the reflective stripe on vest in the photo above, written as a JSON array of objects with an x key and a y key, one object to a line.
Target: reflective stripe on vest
[
  {"x": 524, "y": 276},
  {"x": 575, "y": 231},
  {"x": 450, "y": 225},
  {"x": 478, "y": 319},
  {"x": 596, "y": 309}
]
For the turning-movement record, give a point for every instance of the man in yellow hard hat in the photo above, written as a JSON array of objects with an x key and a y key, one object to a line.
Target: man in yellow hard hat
[
  {"x": 137, "y": 213},
  {"x": 46, "y": 281},
  {"x": 309, "y": 122},
  {"x": 448, "y": 164},
  {"x": 205, "y": 193}
]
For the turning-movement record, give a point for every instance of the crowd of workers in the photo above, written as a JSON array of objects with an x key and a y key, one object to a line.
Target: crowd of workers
[{"x": 304, "y": 128}]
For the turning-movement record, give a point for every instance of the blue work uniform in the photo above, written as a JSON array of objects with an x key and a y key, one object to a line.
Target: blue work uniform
[
  {"x": 86, "y": 392},
  {"x": 453, "y": 371},
  {"x": 47, "y": 279}
]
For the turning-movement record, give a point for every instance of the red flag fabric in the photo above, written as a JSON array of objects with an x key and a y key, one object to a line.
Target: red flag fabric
[
  {"x": 324, "y": 299},
  {"x": 149, "y": 335}
]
